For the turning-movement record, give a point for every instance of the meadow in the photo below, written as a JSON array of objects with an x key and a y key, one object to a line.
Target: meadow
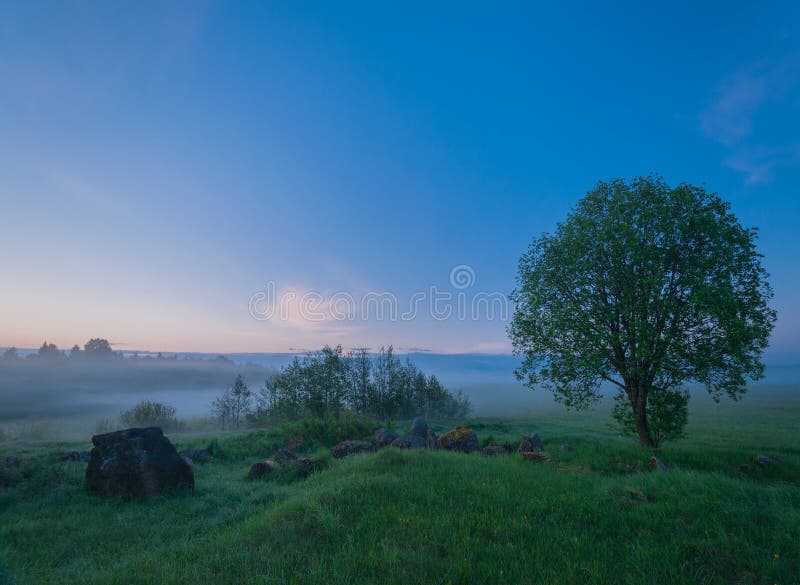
[{"x": 595, "y": 513}]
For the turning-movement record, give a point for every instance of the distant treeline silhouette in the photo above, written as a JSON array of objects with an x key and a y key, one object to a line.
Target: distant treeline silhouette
[{"x": 96, "y": 348}]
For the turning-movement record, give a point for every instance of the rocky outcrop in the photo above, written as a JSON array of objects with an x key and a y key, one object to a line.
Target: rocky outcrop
[
  {"x": 461, "y": 439},
  {"x": 347, "y": 448},
  {"x": 384, "y": 437},
  {"x": 136, "y": 463}
]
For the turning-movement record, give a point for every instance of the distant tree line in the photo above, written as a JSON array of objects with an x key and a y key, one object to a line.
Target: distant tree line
[
  {"x": 330, "y": 381},
  {"x": 94, "y": 349}
]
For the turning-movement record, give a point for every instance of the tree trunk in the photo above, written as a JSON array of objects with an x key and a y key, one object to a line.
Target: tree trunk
[{"x": 640, "y": 412}]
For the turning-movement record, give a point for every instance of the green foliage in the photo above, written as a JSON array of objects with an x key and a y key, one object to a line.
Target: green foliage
[
  {"x": 645, "y": 287},
  {"x": 233, "y": 407},
  {"x": 151, "y": 414},
  {"x": 96, "y": 348},
  {"x": 330, "y": 382},
  {"x": 303, "y": 436}
]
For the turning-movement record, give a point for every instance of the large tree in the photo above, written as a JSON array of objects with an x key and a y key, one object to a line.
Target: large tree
[{"x": 645, "y": 288}]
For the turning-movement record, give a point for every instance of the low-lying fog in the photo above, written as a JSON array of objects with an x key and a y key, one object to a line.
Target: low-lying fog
[{"x": 81, "y": 393}]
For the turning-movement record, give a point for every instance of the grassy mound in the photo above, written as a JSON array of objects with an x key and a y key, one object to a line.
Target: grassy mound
[{"x": 593, "y": 514}]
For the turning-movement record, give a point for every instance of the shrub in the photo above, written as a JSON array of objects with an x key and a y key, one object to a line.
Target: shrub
[{"x": 151, "y": 414}]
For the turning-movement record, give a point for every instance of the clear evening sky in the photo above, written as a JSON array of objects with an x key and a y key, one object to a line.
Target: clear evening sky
[{"x": 161, "y": 162}]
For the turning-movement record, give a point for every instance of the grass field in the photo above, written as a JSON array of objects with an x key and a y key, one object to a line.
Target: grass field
[{"x": 593, "y": 514}]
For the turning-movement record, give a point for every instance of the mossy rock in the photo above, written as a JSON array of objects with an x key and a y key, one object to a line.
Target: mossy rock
[{"x": 461, "y": 439}]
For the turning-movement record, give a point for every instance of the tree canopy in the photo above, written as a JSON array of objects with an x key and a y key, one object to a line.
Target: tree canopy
[{"x": 646, "y": 288}]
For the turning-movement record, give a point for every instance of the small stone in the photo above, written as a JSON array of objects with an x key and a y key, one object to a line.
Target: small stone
[
  {"x": 12, "y": 462},
  {"x": 262, "y": 468},
  {"x": 656, "y": 464},
  {"x": 384, "y": 437},
  {"x": 284, "y": 456},
  {"x": 563, "y": 448},
  {"x": 535, "y": 456},
  {"x": 638, "y": 495},
  {"x": 493, "y": 449},
  {"x": 532, "y": 443},
  {"x": 764, "y": 460},
  {"x": 304, "y": 466},
  {"x": 346, "y": 448}
]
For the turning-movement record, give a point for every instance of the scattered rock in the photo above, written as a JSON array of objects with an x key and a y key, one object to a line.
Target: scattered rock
[
  {"x": 346, "y": 448},
  {"x": 493, "y": 449},
  {"x": 656, "y": 464},
  {"x": 764, "y": 460},
  {"x": 136, "y": 463},
  {"x": 535, "y": 456},
  {"x": 304, "y": 466},
  {"x": 419, "y": 427},
  {"x": 433, "y": 440},
  {"x": 532, "y": 443},
  {"x": 384, "y": 437},
  {"x": 461, "y": 439},
  {"x": 9, "y": 476},
  {"x": 75, "y": 456},
  {"x": 196, "y": 455},
  {"x": 12, "y": 462},
  {"x": 563, "y": 448},
  {"x": 284, "y": 456},
  {"x": 637, "y": 495},
  {"x": 410, "y": 442},
  {"x": 262, "y": 468}
]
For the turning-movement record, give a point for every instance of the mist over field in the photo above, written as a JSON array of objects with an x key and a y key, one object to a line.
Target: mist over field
[{"x": 77, "y": 395}]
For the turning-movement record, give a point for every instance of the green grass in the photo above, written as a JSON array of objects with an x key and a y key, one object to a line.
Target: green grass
[{"x": 431, "y": 517}]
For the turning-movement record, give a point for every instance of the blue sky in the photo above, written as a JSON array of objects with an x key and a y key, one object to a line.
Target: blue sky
[{"x": 161, "y": 164}]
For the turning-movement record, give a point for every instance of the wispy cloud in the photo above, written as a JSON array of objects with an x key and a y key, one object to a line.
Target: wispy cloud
[
  {"x": 732, "y": 117},
  {"x": 759, "y": 164}
]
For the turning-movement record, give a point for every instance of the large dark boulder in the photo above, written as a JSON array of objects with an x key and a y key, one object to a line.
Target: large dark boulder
[
  {"x": 136, "y": 463},
  {"x": 461, "y": 439},
  {"x": 346, "y": 448},
  {"x": 384, "y": 437},
  {"x": 411, "y": 442}
]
